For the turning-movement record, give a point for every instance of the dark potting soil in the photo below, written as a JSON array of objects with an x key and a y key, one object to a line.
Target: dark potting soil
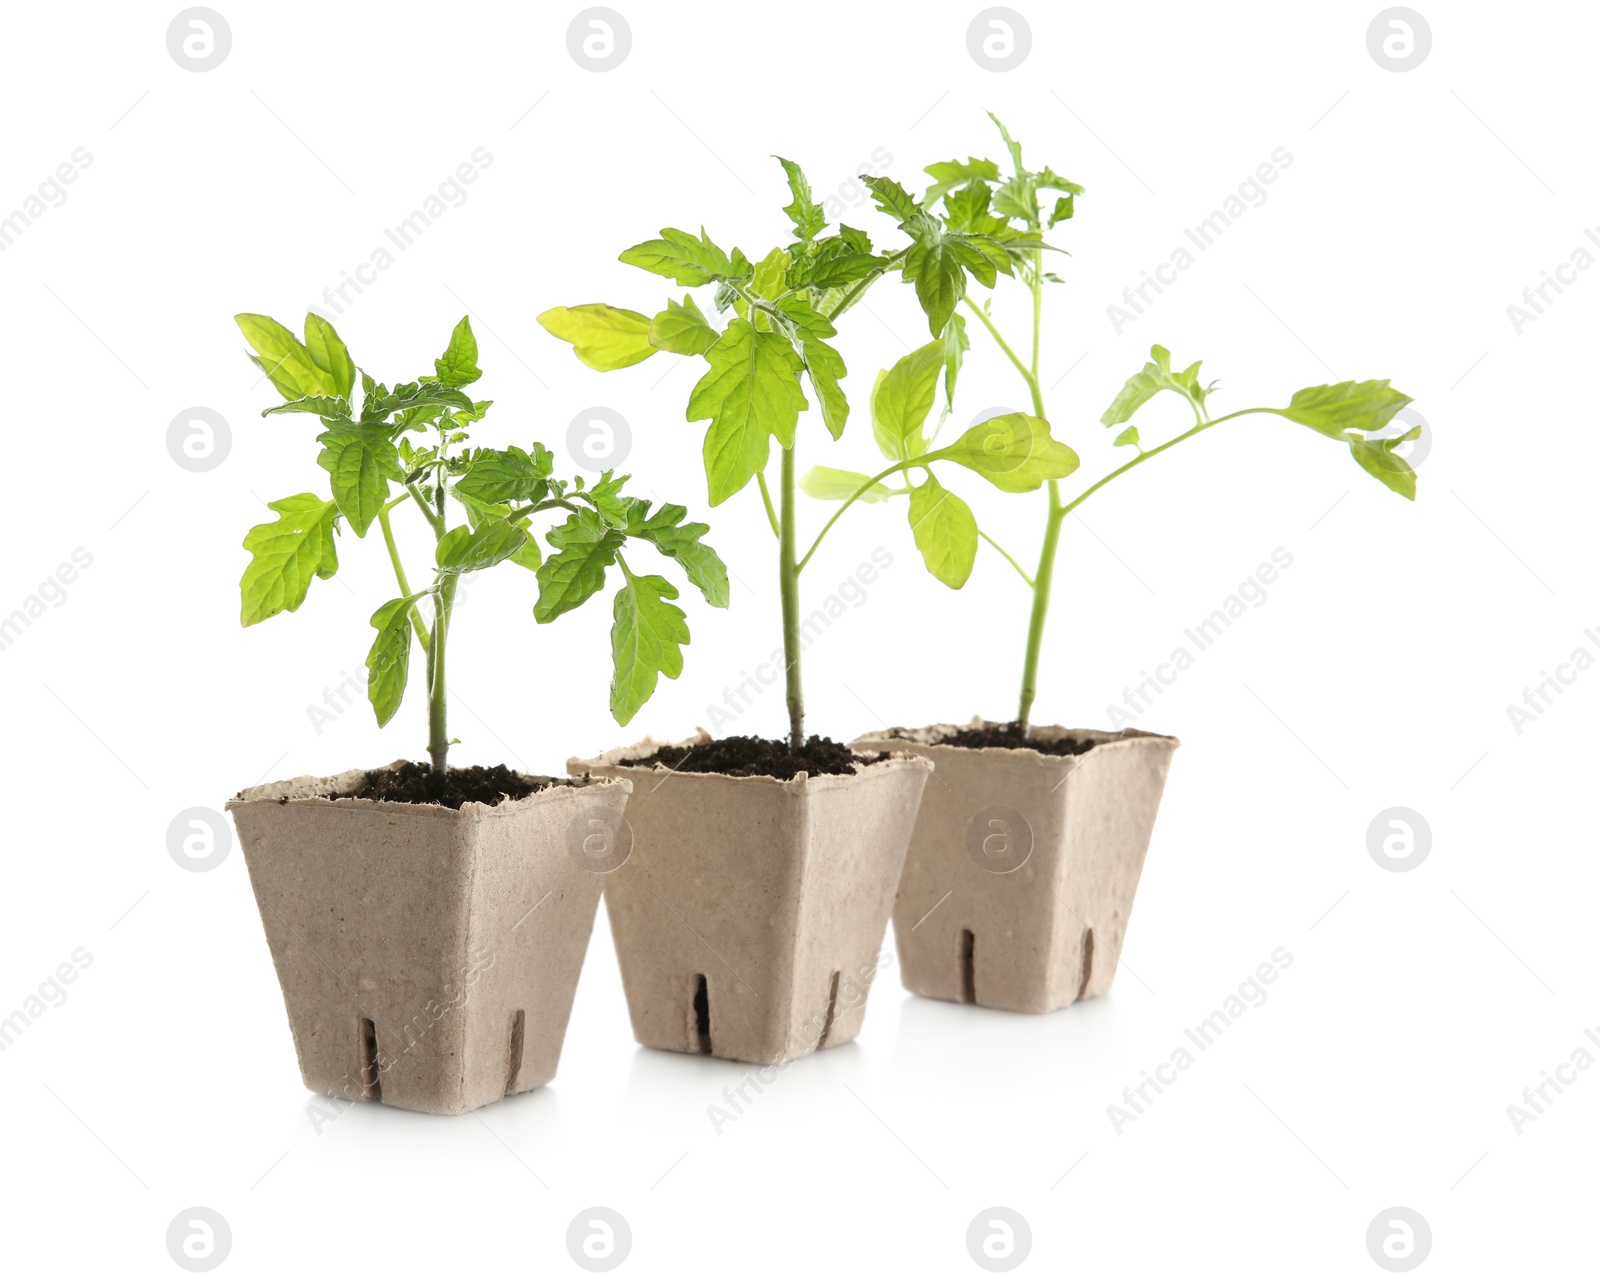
[
  {"x": 1011, "y": 735},
  {"x": 742, "y": 757},
  {"x": 415, "y": 783}
]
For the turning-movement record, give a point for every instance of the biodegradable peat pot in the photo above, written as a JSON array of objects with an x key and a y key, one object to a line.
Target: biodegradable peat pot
[
  {"x": 749, "y": 916},
  {"x": 428, "y": 956},
  {"x": 1021, "y": 874}
]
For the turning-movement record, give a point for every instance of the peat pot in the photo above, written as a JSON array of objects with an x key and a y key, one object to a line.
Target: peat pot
[
  {"x": 428, "y": 956},
  {"x": 1021, "y": 873},
  {"x": 750, "y": 913}
]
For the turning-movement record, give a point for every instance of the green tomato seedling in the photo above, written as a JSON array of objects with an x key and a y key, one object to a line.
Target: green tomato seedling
[
  {"x": 975, "y": 222},
  {"x": 780, "y": 319},
  {"x": 408, "y": 447}
]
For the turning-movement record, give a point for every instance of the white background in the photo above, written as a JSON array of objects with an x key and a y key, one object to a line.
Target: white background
[{"x": 1419, "y": 1005}]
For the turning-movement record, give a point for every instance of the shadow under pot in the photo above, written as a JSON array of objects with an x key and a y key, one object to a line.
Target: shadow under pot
[
  {"x": 428, "y": 955},
  {"x": 749, "y": 916},
  {"x": 1023, "y": 867}
]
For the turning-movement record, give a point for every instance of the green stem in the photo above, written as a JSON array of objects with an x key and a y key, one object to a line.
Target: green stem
[
  {"x": 789, "y": 580},
  {"x": 843, "y": 506},
  {"x": 1144, "y": 457},
  {"x": 434, "y": 522},
  {"x": 438, "y": 710},
  {"x": 1009, "y": 559},
  {"x": 766, "y": 501},
  {"x": 1044, "y": 576},
  {"x": 1041, "y": 608},
  {"x": 1027, "y": 375},
  {"x": 399, "y": 569},
  {"x": 867, "y": 282}
]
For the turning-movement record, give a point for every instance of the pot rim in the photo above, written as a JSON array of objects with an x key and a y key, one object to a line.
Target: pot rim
[
  {"x": 308, "y": 791},
  {"x": 628, "y": 757},
  {"x": 928, "y": 738}
]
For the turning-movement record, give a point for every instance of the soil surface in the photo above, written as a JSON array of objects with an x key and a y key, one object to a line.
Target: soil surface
[
  {"x": 414, "y": 783},
  {"x": 1011, "y": 735},
  {"x": 741, "y": 757}
]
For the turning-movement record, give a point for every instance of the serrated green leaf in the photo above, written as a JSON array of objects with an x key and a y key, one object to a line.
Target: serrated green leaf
[
  {"x": 947, "y": 175},
  {"x": 410, "y": 399},
  {"x": 701, "y": 565},
  {"x": 945, "y": 531},
  {"x": 892, "y": 198},
  {"x": 685, "y": 259},
  {"x": 804, "y": 212},
  {"x": 285, "y": 555},
  {"x": 285, "y": 360},
  {"x": 466, "y": 549},
  {"x": 647, "y": 635},
  {"x": 938, "y": 278},
  {"x": 1157, "y": 376},
  {"x": 507, "y": 475},
  {"x": 389, "y": 659},
  {"x": 585, "y": 548},
  {"x": 603, "y": 337},
  {"x": 833, "y": 485},
  {"x": 751, "y": 393},
  {"x": 1014, "y": 452},
  {"x": 605, "y": 496},
  {"x": 458, "y": 366},
  {"x": 681, "y": 329},
  {"x": 902, "y": 399},
  {"x": 956, "y": 346},
  {"x": 1061, "y": 212},
  {"x": 336, "y": 407},
  {"x": 1346, "y": 406},
  {"x": 328, "y": 353},
  {"x": 360, "y": 462}
]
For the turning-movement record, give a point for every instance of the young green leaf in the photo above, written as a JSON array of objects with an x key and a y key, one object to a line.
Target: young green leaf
[
  {"x": 286, "y": 361},
  {"x": 458, "y": 366},
  {"x": 605, "y": 496},
  {"x": 603, "y": 337},
  {"x": 1128, "y": 435},
  {"x": 328, "y": 353},
  {"x": 1155, "y": 377},
  {"x": 681, "y": 329},
  {"x": 646, "y": 635},
  {"x": 507, "y": 475},
  {"x": 285, "y": 555},
  {"x": 682, "y": 258},
  {"x": 956, "y": 346},
  {"x": 701, "y": 565},
  {"x": 945, "y": 531},
  {"x": 805, "y": 212},
  {"x": 336, "y": 408},
  {"x": 892, "y": 198},
  {"x": 947, "y": 175},
  {"x": 751, "y": 393},
  {"x": 833, "y": 485},
  {"x": 824, "y": 365},
  {"x": 585, "y": 548},
  {"x": 903, "y": 397},
  {"x": 389, "y": 659},
  {"x": 1014, "y": 452},
  {"x": 465, "y": 549},
  {"x": 1378, "y": 458},
  {"x": 1346, "y": 406},
  {"x": 361, "y": 460}
]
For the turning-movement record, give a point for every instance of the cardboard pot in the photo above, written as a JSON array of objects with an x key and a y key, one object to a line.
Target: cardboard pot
[
  {"x": 749, "y": 916},
  {"x": 428, "y": 956},
  {"x": 1021, "y": 873}
]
